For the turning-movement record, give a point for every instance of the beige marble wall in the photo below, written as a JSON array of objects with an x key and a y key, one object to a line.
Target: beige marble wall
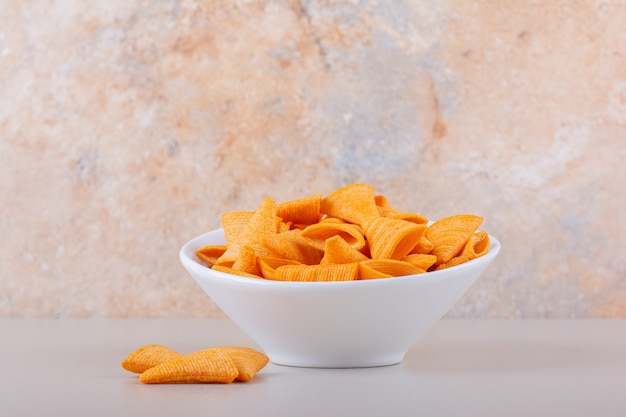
[{"x": 128, "y": 127}]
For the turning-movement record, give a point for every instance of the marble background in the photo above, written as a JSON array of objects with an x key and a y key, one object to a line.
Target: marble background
[{"x": 128, "y": 127}]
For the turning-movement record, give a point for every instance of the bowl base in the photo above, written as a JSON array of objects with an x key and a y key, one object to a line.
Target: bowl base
[{"x": 311, "y": 362}]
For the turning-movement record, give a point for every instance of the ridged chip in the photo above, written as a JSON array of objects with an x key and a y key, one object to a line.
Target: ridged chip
[
  {"x": 204, "y": 366},
  {"x": 147, "y": 357}
]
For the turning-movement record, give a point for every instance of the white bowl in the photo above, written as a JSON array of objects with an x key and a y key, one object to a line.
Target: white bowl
[{"x": 334, "y": 324}]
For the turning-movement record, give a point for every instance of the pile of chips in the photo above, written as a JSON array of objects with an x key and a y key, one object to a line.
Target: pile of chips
[
  {"x": 158, "y": 364},
  {"x": 351, "y": 234}
]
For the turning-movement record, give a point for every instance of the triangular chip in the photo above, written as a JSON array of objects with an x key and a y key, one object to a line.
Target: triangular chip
[
  {"x": 234, "y": 223},
  {"x": 353, "y": 203},
  {"x": 367, "y": 272},
  {"x": 210, "y": 254},
  {"x": 477, "y": 245},
  {"x": 317, "y": 273},
  {"x": 247, "y": 360},
  {"x": 147, "y": 357},
  {"x": 385, "y": 268},
  {"x": 450, "y": 234},
  {"x": 263, "y": 222},
  {"x": 246, "y": 261},
  {"x": 292, "y": 245},
  {"x": 338, "y": 251},
  {"x": 319, "y": 232},
  {"x": 421, "y": 260},
  {"x": 303, "y": 211},
  {"x": 390, "y": 238},
  {"x": 204, "y": 366},
  {"x": 268, "y": 265},
  {"x": 423, "y": 245}
]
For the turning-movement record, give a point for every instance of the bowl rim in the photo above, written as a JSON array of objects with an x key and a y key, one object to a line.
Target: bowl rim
[{"x": 192, "y": 245}]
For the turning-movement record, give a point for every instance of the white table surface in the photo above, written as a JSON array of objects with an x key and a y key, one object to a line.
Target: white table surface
[{"x": 565, "y": 368}]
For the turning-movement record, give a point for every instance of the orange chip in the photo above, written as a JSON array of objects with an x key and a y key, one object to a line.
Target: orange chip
[
  {"x": 247, "y": 360},
  {"x": 423, "y": 245},
  {"x": 204, "y": 366},
  {"x": 292, "y": 245},
  {"x": 391, "y": 238},
  {"x": 302, "y": 211},
  {"x": 366, "y": 272},
  {"x": 320, "y": 273},
  {"x": 268, "y": 265},
  {"x": 246, "y": 261},
  {"x": 353, "y": 203},
  {"x": 421, "y": 260},
  {"x": 338, "y": 251},
  {"x": 319, "y": 232},
  {"x": 147, "y": 357},
  {"x": 227, "y": 260},
  {"x": 210, "y": 254},
  {"x": 234, "y": 223},
  {"x": 263, "y": 222},
  {"x": 386, "y": 268},
  {"x": 450, "y": 234},
  {"x": 477, "y": 245},
  {"x": 457, "y": 260}
]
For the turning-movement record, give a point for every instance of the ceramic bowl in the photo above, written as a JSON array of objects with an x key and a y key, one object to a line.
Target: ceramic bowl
[{"x": 334, "y": 324}]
